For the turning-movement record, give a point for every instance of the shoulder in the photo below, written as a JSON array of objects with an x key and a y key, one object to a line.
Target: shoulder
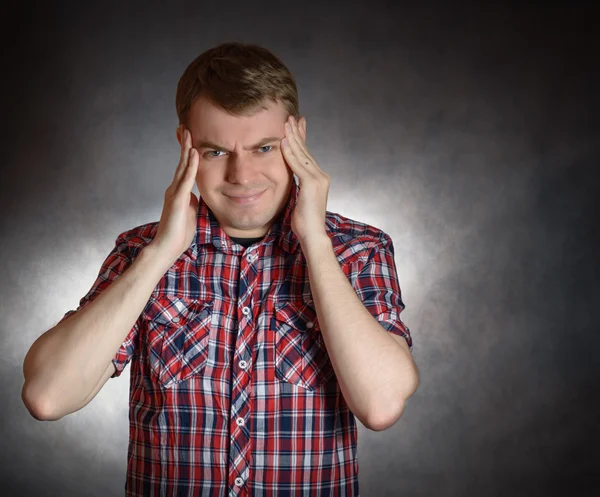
[
  {"x": 350, "y": 232},
  {"x": 353, "y": 239},
  {"x": 135, "y": 239}
]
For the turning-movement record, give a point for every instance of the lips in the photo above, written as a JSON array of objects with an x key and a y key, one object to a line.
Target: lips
[
  {"x": 246, "y": 199},
  {"x": 244, "y": 196}
]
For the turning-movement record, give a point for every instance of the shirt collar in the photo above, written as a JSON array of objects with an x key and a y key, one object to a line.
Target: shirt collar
[{"x": 208, "y": 230}]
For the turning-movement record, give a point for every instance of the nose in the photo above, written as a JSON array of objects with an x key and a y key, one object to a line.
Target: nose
[{"x": 240, "y": 170}]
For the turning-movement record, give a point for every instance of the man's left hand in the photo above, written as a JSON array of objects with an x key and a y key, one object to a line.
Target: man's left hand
[{"x": 308, "y": 218}]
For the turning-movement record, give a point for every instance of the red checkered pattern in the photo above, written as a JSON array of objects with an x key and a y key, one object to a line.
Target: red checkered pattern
[{"x": 232, "y": 392}]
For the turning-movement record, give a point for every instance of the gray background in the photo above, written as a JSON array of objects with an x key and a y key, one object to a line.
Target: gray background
[{"x": 468, "y": 134}]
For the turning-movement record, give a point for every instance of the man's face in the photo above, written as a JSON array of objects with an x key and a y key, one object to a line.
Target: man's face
[{"x": 226, "y": 169}]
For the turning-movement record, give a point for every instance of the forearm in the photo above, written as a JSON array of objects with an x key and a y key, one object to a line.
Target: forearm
[
  {"x": 376, "y": 375},
  {"x": 65, "y": 364}
]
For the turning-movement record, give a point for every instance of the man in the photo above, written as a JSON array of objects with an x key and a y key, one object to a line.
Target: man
[{"x": 258, "y": 324}]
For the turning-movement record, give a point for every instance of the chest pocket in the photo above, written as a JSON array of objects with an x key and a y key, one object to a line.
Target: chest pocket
[
  {"x": 300, "y": 354},
  {"x": 177, "y": 337}
]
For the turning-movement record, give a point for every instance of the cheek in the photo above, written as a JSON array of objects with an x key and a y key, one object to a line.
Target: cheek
[
  {"x": 281, "y": 173},
  {"x": 205, "y": 180},
  {"x": 206, "y": 173},
  {"x": 279, "y": 165}
]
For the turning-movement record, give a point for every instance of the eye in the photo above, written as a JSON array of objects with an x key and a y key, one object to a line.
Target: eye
[{"x": 211, "y": 151}]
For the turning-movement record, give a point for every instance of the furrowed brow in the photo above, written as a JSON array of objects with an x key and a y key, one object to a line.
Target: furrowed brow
[{"x": 264, "y": 141}]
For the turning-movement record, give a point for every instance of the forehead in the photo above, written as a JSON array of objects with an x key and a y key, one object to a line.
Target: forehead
[{"x": 209, "y": 121}]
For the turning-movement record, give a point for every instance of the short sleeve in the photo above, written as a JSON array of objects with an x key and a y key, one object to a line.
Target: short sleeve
[
  {"x": 115, "y": 264},
  {"x": 378, "y": 287}
]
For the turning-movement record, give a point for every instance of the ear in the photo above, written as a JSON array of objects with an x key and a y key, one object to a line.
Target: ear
[{"x": 179, "y": 133}]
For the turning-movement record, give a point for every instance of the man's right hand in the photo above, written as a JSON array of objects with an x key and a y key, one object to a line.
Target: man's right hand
[{"x": 177, "y": 225}]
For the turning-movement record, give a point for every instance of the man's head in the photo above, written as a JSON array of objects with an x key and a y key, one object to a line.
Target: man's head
[{"x": 230, "y": 98}]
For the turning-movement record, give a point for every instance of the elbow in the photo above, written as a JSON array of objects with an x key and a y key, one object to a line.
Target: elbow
[
  {"x": 380, "y": 420},
  {"x": 413, "y": 386},
  {"x": 38, "y": 406}
]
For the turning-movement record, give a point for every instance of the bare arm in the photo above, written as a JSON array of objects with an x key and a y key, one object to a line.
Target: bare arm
[{"x": 67, "y": 365}]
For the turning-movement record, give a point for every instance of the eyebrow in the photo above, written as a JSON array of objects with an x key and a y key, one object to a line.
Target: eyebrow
[{"x": 264, "y": 141}]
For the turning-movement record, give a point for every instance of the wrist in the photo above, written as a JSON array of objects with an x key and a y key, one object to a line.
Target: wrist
[{"x": 316, "y": 243}]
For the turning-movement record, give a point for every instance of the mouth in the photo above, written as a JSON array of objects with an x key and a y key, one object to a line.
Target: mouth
[{"x": 246, "y": 199}]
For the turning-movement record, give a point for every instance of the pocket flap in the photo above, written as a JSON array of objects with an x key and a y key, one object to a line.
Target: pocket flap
[
  {"x": 178, "y": 311},
  {"x": 297, "y": 314}
]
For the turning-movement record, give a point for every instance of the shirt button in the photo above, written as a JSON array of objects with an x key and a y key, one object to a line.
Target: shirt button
[
  {"x": 246, "y": 311},
  {"x": 249, "y": 257},
  {"x": 309, "y": 324},
  {"x": 240, "y": 421},
  {"x": 239, "y": 482},
  {"x": 243, "y": 364},
  {"x": 175, "y": 319}
]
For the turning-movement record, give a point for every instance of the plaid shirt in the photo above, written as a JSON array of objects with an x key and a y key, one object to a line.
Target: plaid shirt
[{"x": 232, "y": 392}]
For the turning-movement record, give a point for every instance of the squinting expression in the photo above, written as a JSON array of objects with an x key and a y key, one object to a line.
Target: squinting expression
[{"x": 242, "y": 174}]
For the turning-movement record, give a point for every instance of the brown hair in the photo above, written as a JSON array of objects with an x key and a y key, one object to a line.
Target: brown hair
[{"x": 237, "y": 77}]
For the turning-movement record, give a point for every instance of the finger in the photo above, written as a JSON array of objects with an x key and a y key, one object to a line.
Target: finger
[
  {"x": 304, "y": 155},
  {"x": 296, "y": 154},
  {"x": 296, "y": 134},
  {"x": 187, "y": 181},
  {"x": 292, "y": 160},
  {"x": 184, "y": 156}
]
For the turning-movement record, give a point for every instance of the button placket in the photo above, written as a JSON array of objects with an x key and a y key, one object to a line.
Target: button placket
[{"x": 238, "y": 413}]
